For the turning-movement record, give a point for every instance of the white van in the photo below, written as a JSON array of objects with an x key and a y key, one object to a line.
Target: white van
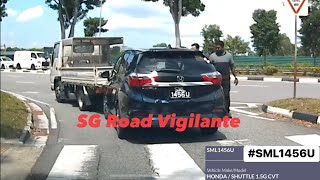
[{"x": 30, "y": 60}]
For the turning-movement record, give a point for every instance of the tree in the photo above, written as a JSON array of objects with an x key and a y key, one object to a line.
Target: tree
[
  {"x": 3, "y": 9},
  {"x": 235, "y": 45},
  {"x": 182, "y": 8},
  {"x": 211, "y": 34},
  {"x": 286, "y": 48},
  {"x": 70, "y": 12},
  {"x": 92, "y": 26},
  {"x": 160, "y": 45},
  {"x": 302, "y": 51},
  {"x": 265, "y": 32},
  {"x": 310, "y": 30}
]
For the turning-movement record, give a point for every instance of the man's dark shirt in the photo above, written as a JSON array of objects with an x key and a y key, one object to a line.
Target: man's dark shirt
[{"x": 222, "y": 63}]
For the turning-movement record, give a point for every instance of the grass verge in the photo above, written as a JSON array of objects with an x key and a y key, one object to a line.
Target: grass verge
[
  {"x": 13, "y": 116},
  {"x": 304, "y": 105}
]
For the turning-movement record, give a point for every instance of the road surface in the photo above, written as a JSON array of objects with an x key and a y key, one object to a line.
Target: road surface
[{"x": 97, "y": 153}]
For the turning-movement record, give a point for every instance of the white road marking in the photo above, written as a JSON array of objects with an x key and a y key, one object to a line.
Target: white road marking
[
  {"x": 305, "y": 140},
  {"x": 24, "y": 82},
  {"x": 243, "y": 142},
  {"x": 318, "y": 121},
  {"x": 71, "y": 162},
  {"x": 233, "y": 91},
  {"x": 227, "y": 143},
  {"x": 171, "y": 161},
  {"x": 245, "y": 103},
  {"x": 258, "y": 117},
  {"x": 30, "y": 92},
  {"x": 243, "y": 111},
  {"x": 13, "y": 76},
  {"x": 252, "y": 105},
  {"x": 53, "y": 119}
]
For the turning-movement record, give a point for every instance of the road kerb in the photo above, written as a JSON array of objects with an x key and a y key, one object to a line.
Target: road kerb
[
  {"x": 27, "y": 131},
  {"x": 291, "y": 114},
  {"x": 278, "y": 79},
  {"x": 37, "y": 121}
]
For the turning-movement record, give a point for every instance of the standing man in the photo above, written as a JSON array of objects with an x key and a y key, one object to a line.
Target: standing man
[{"x": 223, "y": 62}]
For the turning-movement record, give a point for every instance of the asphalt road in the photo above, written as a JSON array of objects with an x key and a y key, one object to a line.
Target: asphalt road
[{"x": 149, "y": 152}]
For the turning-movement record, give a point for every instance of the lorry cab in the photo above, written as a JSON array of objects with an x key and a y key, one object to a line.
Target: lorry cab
[{"x": 30, "y": 60}]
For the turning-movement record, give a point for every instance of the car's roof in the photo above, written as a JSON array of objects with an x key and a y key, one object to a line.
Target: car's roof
[{"x": 164, "y": 50}]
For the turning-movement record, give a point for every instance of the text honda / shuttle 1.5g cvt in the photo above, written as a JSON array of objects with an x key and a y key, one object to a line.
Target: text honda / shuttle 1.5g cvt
[{"x": 164, "y": 81}]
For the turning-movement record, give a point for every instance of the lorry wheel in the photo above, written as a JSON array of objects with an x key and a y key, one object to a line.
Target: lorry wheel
[
  {"x": 33, "y": 67},
  {"x": 58, "y": 91},
  {"x": 2, "y": 66},
  {"x": 81, "y": 100},
  {"x": 18, "y": 66},
  {"x": 208, "y": 131}
]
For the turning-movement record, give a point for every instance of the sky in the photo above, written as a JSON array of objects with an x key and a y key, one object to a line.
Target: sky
[{"x": 31, "y": 23}]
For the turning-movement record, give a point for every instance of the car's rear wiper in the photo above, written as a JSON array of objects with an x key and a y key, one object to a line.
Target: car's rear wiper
[{"x": 168, "y": 70}]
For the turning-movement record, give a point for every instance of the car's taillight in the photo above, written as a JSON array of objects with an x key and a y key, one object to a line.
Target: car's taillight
[
  {"x": 135, "y": 81},
  {"x": 215, "y": 78}
]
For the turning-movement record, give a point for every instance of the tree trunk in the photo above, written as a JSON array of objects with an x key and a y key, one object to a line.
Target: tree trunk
[
  {"x": 75, "y": 18},
  {"x": 265, "y": 59},
  {"x": 62, "y": 29},
  {"x": 176, "y": 12},
  {"x": 177, "y": 34}
]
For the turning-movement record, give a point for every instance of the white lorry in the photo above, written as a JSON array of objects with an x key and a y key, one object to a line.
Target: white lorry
[
  {"x": 80, "y": 67},
  {"x": 30, "y": 60}
]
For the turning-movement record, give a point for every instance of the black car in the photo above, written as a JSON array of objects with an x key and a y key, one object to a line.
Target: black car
[{"x": 164, "y": 81}]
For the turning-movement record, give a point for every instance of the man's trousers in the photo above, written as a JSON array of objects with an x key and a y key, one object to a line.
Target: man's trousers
[{"x": 226, "y": 89}]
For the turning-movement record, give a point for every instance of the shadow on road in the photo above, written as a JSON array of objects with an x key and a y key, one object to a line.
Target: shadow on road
[{"x": 160, "y": 136}]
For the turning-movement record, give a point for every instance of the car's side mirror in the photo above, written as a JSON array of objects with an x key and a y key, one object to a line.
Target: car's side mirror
[{"x": 105, "y": 74}]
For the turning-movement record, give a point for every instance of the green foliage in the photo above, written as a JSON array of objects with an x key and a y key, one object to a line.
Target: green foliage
[
  {"x": 235, "y": 45},
  {"x": 92, "y": 26},
  {"x": 270, "y": 70},
  {"x": 303, "y": 51},
  {"x": 310, "y": 30},
  {"x": 211, "y": 34},
  {"x": 189, "y": 7},
  {"x": 23, "y": 49},
  {"x": 265, "y": 32},
  {"x": 286, "y": 48},
  {"x": 3, "y": 9},
  {"x": 70, "y": 12},
  {"x": 160, "y": 45}
]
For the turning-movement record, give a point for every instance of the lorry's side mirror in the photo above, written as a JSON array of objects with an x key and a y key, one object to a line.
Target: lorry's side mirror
[{"x": 105, "y": 74}]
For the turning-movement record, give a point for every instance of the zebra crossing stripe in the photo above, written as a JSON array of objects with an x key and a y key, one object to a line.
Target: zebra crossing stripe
[{"x": 75, "y": 162}]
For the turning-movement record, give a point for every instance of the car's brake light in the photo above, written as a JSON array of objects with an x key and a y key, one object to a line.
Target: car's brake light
[
  {"x": 214, "y": 78},
  {"x": 135, "y": 81}
]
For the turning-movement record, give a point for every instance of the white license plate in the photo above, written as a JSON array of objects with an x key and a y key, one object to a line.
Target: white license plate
[{"x": 180, "y": 93}]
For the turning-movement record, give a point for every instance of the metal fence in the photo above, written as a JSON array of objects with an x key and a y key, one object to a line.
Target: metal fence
[{"x": 274, "y": 60}]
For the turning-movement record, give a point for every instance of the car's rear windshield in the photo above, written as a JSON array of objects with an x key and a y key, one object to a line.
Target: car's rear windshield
[{"x": 190, "y": 62}]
